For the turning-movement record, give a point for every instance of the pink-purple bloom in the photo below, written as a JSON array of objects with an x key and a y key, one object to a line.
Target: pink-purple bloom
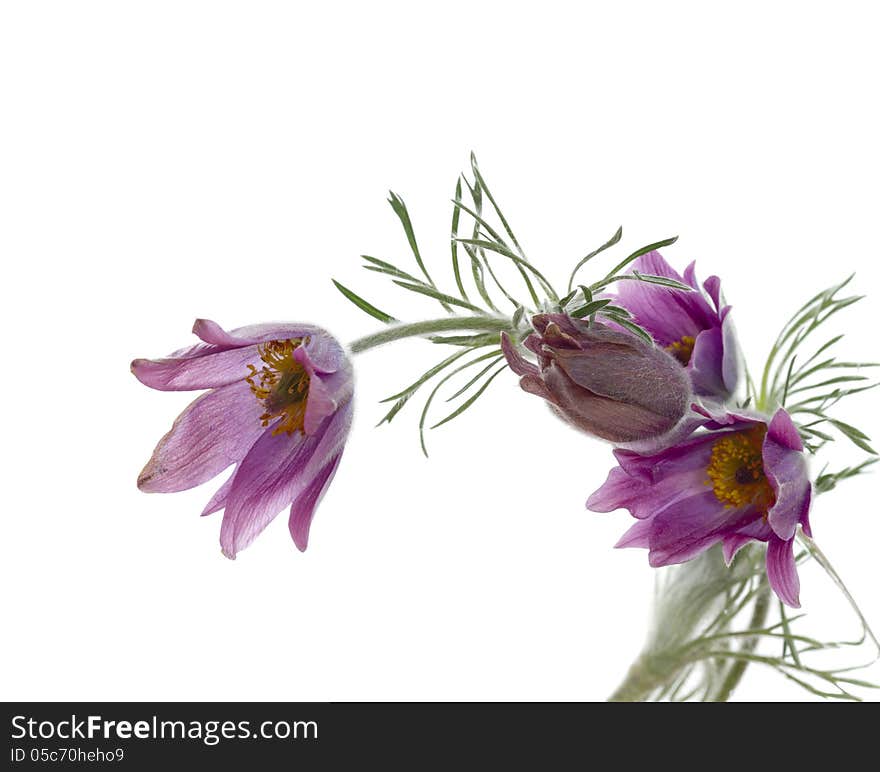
[
  {"x": 743, "y": 479},
  {"x": 606, "y": 382},
  {"x": 279, "y": 408},
  {"x": 699, "y": 334}
]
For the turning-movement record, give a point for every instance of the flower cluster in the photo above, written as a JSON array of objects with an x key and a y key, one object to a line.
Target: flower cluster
[
  {"x": 709, "y": 462},
  {"x": 691, "y": 471}
]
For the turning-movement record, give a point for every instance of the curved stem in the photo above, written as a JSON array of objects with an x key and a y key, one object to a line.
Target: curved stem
[
  {"x": 735, "y": 674},
  {"x": 643, "y": 677},
  {"x": 414, "y": 329}
]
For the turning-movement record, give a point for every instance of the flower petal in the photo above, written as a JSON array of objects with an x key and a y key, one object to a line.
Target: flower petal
[
  {"x": 252, "y": 334},
  {"x": 783, "y": 431},
  {"x": 782, "y": 571},
  {"x": 643, "y": 500},
  {"x": 637, "y": 535},
  {"x": 274, "y": 473},
  {"x": 209, "y": 369},
  {"x": 516, "y": 361},
  {"x": 303, "y": 508},
  {"x": 668, "y": 314},
  {"x": 706, "y": 365},
  {"x": 218, "y": 500},
  {"x": 326, "y": 389},
  {"x": 786, "y": 470},
  {"x": 730, "y": 362},
  {"x": 733, "y": 543},
  {"x": 692, "y": 525},
  {"x": 216, "y": 430},
  {"x": 691, "y": 454}
]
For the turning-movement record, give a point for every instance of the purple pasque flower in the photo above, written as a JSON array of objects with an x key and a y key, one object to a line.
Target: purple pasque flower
[
  {"x": 607, "y": 382},
  {"x": 279, "y": 408},
  {"x": 698, "y": 334},
  {"x": 744, "y": 479}
]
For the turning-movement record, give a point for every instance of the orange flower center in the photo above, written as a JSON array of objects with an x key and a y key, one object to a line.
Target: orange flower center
[
  {"x": 736, "y": 470},
  {"x": 282, "y": 385},
  {"x": 682, "y": 349}
]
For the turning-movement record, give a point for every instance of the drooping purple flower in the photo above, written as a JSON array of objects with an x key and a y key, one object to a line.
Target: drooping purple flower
[
  {"x": 744, "y": 479},
  {"x": 279, "y": 408},
  {"x": 698, "y": 334},
  {"x": 609, "y": 383}
]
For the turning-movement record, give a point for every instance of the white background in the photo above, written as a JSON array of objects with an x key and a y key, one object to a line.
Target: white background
[{"x": 163, "y": 161}]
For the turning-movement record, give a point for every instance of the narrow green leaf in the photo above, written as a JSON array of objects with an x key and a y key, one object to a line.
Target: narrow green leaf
[
  {"x": 481, "y": 182},
  {"x": 412, "y": 388},
  {"x": 473, "y": 398},
  {"x": 456, "y": 214},
  {"x": 634, "y": 256},
  {"x": 437, "y": 388},
  {"x": 857, "y": 437},
  {"x": 399, "y": 207},
  {"x": 506, "y": 252},
  {"x": 362, "y": 304},
  {"x": 590, "y": 308},
  {"x": 473, "y": 380},
  {"x": 634, "y": 329},
  {"x": 430, "y": 292},
  {"x": 385, "y": 267},
  {"x": 649, "y": 278},
  {"x": 477, "y": 271},
  {"x": 610, "y": 243}
]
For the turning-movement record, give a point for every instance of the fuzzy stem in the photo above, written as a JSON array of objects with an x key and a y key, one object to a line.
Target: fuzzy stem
[
  {"x": 644, "y": 676},
  {"x": 447, "y": 324},
  {"x": 735, "y": 674}
]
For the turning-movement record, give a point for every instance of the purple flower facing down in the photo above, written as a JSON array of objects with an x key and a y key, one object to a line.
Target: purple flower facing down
[
  {"x": 279, "y": 408},
  {"x": 606, "y": 382},
  {"x": 743, "y": 480},
  {"x": 697, "y": 334}
]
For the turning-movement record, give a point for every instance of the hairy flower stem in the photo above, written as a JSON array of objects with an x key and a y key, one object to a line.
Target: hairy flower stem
[
  {"x": 735, "y": 674},
  {"x": 645, "y": 675},
  {"x": 696, "y": 606},
  {"x": 429, "y": 327}
]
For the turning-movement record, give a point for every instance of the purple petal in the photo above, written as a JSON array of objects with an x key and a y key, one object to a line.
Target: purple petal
[
  {"x": 326, "y": 391},
  {"x": 303, "y": 508},
  {"x": 276, "y": 471},
  {"x": 691, "y": 454},
  {"x": 638, "y": 535},
  {"x": 252, "y": 334},
  {"x": 782, "y": 571},
  {"x": 712, "y": 285},
  {"x": 534, "y": 385},
  {"x": 692, "y": 525},
  {"x": 218, "y": 500},
  {"x": 730, "y": 363},
  {"x": 209, "y": 369},
  {"x": 668, "y": 314},
  {"x": 616, "y": 492},
  {"x": 516, "y": 361},
  {"x": 733, "y": 543},
  {"x": 786, "y": 471},
  {"x": 216, "y": 430},
  {"x": 644, "y": 500},
  {"x": 783, "y": 431},
  {"x": 706, "y": 365}
]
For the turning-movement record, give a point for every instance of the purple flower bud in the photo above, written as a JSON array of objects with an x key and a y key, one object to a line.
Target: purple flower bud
[{"x": 606, "y": 382}]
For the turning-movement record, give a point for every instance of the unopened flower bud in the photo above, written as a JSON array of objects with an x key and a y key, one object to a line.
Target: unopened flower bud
[{"x": 606, "y": 382}]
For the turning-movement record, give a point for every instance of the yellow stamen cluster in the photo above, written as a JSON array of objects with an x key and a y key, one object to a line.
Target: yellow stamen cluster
[
  {"x": 682, "y": 349},
  {"x": 736, "y": 470},
  {"x": 282, "y": 385}
]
